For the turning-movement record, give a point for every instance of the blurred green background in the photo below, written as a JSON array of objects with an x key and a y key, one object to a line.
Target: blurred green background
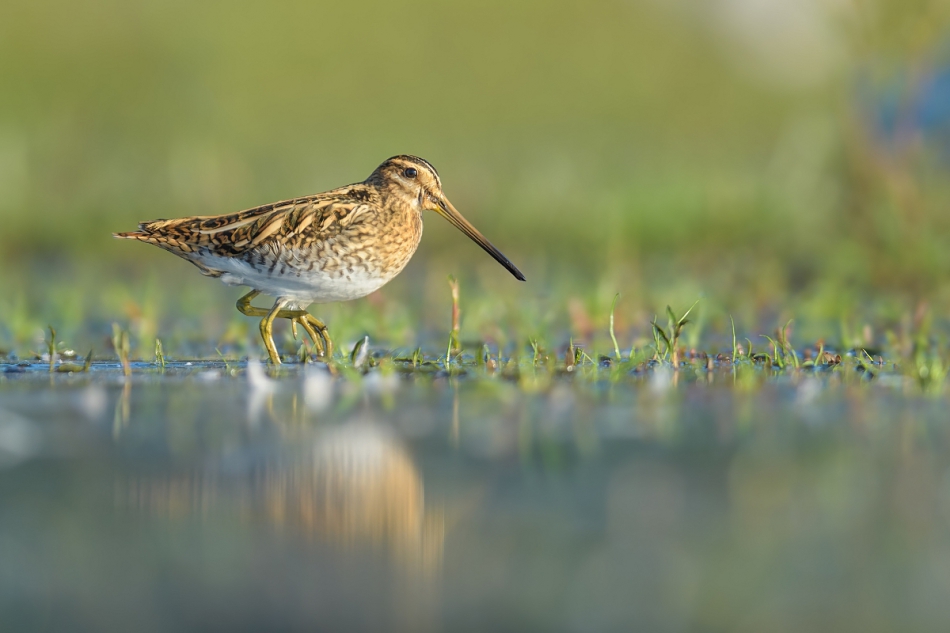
[{"x": 777, "y": 158}]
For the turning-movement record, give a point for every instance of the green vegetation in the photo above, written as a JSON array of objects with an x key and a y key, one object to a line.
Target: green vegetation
[
  {"x": 628, "y": 156},
  {"x": 534, "y": 356}
]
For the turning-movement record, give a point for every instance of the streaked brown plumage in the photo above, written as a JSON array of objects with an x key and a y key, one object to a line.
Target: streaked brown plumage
[{"x": 334, "y": 246}]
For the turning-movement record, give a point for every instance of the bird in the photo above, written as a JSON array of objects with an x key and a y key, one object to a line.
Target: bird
[{"x": 338, "y": 245}]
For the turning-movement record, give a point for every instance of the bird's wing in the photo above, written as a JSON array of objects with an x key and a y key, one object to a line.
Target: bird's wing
[{"x": 292, "y": 223}]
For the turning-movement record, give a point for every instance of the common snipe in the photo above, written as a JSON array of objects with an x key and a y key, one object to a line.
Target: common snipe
[{"x": 334, "y": 246}]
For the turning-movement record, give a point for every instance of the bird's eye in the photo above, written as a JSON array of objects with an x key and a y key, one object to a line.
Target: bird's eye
[{"x": 411, "y": 172}]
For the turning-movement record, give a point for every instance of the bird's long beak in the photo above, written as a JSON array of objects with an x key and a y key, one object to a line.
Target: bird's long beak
[{"x": 447, "y": 211}]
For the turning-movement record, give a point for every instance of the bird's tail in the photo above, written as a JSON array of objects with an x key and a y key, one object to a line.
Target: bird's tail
[
  {"x": 152, "y": 233},
  {"x": 132, "y": 235},
  {"x": 146, "y": 232}
]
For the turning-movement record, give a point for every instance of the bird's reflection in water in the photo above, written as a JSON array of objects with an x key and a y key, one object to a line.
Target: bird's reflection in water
[{"x": 358, "y": 489}]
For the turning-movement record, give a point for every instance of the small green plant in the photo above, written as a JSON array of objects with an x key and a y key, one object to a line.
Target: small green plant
[
  {"x": 360, "y": 353},
  {"x": 671, "y": 335},
  {"x": 454, "y": 346},
  {"x": 224, "y": 359},
  {"x": 783, "y": 354},
  {"x": 787, "y": 350},
  {"x": 448, "y": 350},
  {"x": 483, "y": 355},
  {"x": 51, "y": 346},
  {"x": 71, "y": 368},
  {"x": 613, "y": 336},
  {"x": 303, "y": 352},
  {"x": 120, "y": 343},
  {"x": 159, "y": 354},
  {"x": 777, "y": 357},
  {"x": 584, "y": 357},
  {"x": 735, "y": 345}
]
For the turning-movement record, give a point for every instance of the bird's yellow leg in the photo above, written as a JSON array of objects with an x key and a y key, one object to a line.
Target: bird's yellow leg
[
  {"x": 267, "y": 331},
  {"x": 244, "y": 307},
  {"x": 324, "y": 333},
  {"x": 316, "y": 338},
  {"x": 316, "y": 328}
]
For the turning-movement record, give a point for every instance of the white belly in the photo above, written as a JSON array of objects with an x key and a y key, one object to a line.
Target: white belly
[{"x": 307, "y": 287}]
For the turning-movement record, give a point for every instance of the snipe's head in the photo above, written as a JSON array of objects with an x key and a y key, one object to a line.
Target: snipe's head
[{"x": 417, "y": 183}]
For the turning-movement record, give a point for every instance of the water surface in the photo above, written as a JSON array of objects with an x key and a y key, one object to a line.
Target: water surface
[{"x": 213, "y": 497}]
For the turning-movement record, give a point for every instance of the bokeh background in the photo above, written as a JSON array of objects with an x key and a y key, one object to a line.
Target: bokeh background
[{"x": 778, "y": 159}]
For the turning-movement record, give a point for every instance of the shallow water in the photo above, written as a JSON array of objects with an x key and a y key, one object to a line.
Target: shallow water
[{"x": 214, "y": 497}]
